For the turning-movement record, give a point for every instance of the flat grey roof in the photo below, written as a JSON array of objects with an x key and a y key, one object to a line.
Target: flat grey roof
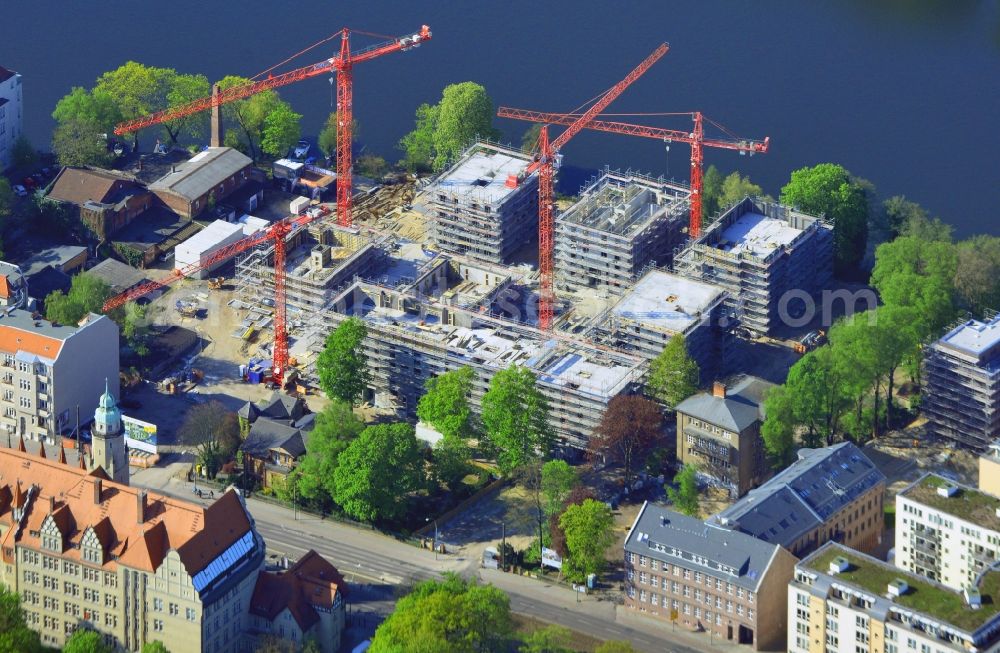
[
  {"x": 731, "y": 555},
  {"x": 668, "y": 301},
  {"x": 56, "y": 256},
  {"x": 804, "y": 495},
  {"x": 758, "y": 234},
  {"x": 974, "y": 337},
  {"x": 202, "y": 172},
  {"x": 482, "y": 174},
  {"x": 116, "y": 274}
]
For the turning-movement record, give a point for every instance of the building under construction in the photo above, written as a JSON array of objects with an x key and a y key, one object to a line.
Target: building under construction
[
  {"x": 413, "y": 336},
  {"x": 758, "y": 251},
  {"x": 962, "y": 397},
  {"x": 623, "y": 223},
  {"x": 483, "y": 206},
  {"x": 662, "y": 305},
  {"x": 321, "y": 258}
]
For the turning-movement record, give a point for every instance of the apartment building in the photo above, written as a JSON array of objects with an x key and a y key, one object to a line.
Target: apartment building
[
  {"x": 13, "y": 286},
  {"x": 484, "y": 206},
  {"x": 661, "y": 305},
  {"x": 622, "y": 223},
  {"x": 768, "y": 257},
  {"x": 962, "y": 395},
  {"x": 10, "y": 115},
  {"x": 49, "y": 370},
  {"x": 830, "y": 494},
  {"x": 842, "y": 601},
  {"x": 86, "y": 552},
  {"x": 720, "y": 432},
  {"x": 433, "y": 325},
  {"x": 682, "y": 570},
  {"x": 947, "y": 532}
]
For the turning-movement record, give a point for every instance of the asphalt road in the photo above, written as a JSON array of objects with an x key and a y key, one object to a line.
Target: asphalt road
[{"x": 365, "y": 556}]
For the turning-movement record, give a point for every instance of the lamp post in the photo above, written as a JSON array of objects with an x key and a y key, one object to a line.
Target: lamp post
[{"x": 435, "y": 542}]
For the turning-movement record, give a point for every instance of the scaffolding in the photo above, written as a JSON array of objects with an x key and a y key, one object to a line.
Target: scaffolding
[
  {"x": 482, "y": 206},
  {"x": 759, "y": 251},
  {"x": 623, "y": 223}
]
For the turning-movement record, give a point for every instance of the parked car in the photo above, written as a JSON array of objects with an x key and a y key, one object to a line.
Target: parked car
[
  {"x": 302, "y": 149},
  {"x": 29, "y": 183},
  {"x": 20, "y": 190}
]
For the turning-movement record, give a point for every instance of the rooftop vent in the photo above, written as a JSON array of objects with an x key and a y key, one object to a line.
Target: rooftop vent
[
  {"x": 719, "y": 389},
  {"x": 897, "y": 587},
  {"x": 972, "y": 598},
  {"x": 947, "y": 491},
  {"x": 839, "y": 565}
]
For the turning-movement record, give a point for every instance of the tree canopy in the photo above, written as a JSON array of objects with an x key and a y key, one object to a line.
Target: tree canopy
[
  {"x": 281, "y": 130},
  {"x": 377, "y": 469},
  {"x": 335, "y": 427},
  {"x": 685, "y": 496},
  {"x": 445, "y": 404},
  {"x": 451, "y": 615},
  {"x": 558, "y": 481},
  {"x": 215, "y": 431},
  {"x": 154, "y": 646},
  {"x": 86, "y": 295},
  {"x": 550, "y": 639},
  {"x": 829, "y": 190},
  {"x": 84, "y": 640},
  {"x": 444, "y": 130},
  {"x": 251, "y": 116},
  {"x": 977, "y": 273},
  {"x": 515, "y": 419},
  {"x": 673, "y": 374},
  {"x": 15, "y": 635},
  {"x": 327, "y": 139},
  {"x": 78, "y": 142},
  {"x": 589, "y": 530},
  {"x": 342, "y": 365},
  {"x": 629, "y": 427}
]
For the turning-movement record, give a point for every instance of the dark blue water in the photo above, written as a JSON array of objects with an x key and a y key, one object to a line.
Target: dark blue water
[{"x": 903, "y": 92}]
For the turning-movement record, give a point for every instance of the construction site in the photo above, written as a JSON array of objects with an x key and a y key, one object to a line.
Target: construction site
[
  {"x": 622, "y": 223},
  {"x": 474, "y": 267}
]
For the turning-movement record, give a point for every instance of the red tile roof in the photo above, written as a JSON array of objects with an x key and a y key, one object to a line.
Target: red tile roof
[
  {"x": 312, "y": 581},
  {"x": 80, "y": 185},
  {"x": 84, "y": 499}
]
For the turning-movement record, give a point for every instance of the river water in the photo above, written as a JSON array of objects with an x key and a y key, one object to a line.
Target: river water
[{"x": 905, "y": 93}]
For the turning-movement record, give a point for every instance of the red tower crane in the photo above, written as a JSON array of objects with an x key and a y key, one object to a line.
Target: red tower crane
[
  {"x": 277, "y": 232},
  {"x": 695, "y": 138},
  {"x": 545, "y": 165},
  {"x": 343, "y": 64}
]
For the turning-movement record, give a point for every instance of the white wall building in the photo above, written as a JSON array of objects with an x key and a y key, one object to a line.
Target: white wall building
[
  {"x": 196, "y": 249},
  {"x": 947, "y": 532},
  {"x": 10, "y": 115}
]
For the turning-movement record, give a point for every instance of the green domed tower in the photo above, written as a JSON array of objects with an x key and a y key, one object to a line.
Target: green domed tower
[{"x": 108, "y": 445}]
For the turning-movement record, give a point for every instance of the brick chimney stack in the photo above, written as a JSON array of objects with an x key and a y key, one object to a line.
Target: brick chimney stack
[
  {"x": 218, "y": 131},
  {"x": 140, "y": 507},
  {"x": 719, "y": 389},
  {"x": 98, "y": 486}
]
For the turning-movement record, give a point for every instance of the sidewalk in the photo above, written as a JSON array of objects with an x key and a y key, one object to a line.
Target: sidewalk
[{"x": 653, "y": 626}]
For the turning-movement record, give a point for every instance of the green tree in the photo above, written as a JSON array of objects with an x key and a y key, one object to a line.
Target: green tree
[
  {"x": 335, "y": 427},
  {"x": 282, "y": 129},
  {"x": 735, "y": 188},
  {"x": 95, "y": 107},
  {"x": 515, "y": 419},
  {"x": 134, "y": 328},
  {"x": 377, "y": 470},
  {"x": 250, "y": 115},
  {"x": 136, "y": 90},
  {"x": 529, "y": 140},
  {"x": 673, "y": 374},
  {"x": 213, "y": 429},
  {"x": 182, "y": 89},
  {"x": 711, "y": 191},
  {"x": 328, "y": 135},
  {"x": 86, "y": 295},
  {"x": 918, "y": 274},
  {"x": 84, "y": 640},
  {"x": 78, "y": 142},
  {"x": 926, "y": 228},
  {"x": 14, "y": 632},
  {"x": 445, "y": 404},
  {"x": 342, "y": 365},
  {"x": 558, "y": 481},
  {"x": 817, "y": 395},
  {"x": 615, "y": 646},
  {"x": 155, "y": 646},
  {"x": 589, "y": 530},
  {"x": 977, "y": 273},
  {"x": 371, "y": 166},
  {"x": 550, "y": 639},
  {"x": 778, "y": 429},
  {"x": 418, "y": 145},
  {"x": 6, "y": 198},
  {"x": 451, "y": 459},
  {"x": 829, "y": 190},
  {"x": 452, "y": 615},
  {"x": 897, "y": 212},
  {"x": 685, "y": 496},
  {"x": 629, "y": 427},
  {"x": 23, "y": 152},
  {"x": 464, "y": 113}
]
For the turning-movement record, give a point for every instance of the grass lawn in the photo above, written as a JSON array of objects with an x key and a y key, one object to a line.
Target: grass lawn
[
  {"x": 578, "y": 641},
  {"x": 926, "y": 597}
]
